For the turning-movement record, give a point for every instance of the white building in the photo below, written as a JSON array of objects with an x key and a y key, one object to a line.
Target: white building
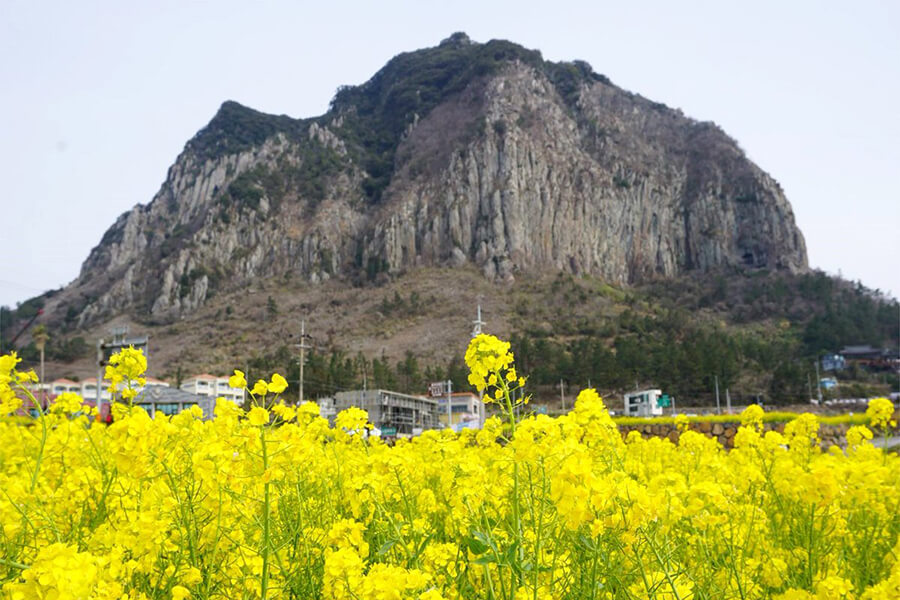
[
  {"x": 645, "y": 403},
  {"x": 212, "y": 386},
  {"x": 153, "y": 381},
  {"x": 61, "y": 386},
  {"x": 392, "y": 412},
  {"x": 326, "y": 408},
  {"x": 89, "y": 389},
  {"x": 466, "y": 410}
]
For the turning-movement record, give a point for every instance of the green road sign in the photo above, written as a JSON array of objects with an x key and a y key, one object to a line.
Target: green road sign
[
  {"x": 664, "y": 401},
  {"x": 388, "y": 431}
]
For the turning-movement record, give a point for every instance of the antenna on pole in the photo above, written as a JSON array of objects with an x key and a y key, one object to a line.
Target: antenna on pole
[
  {"x": 478, "y": 322},
  {"x": 302, "y": 345},
  {"x": 476, "y": 331}
]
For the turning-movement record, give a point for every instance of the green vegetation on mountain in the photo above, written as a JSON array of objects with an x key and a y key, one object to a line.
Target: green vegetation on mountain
[
  {"x": 236, "y": 128},
  {"x": 755, "y": 332},
  {"x": 377, "y": 113},
  {"x": 758, "y": 332}
]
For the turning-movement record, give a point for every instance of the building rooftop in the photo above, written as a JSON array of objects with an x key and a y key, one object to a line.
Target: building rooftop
[
  {"x": 859, "y": 349},
  {"x": 160, "y": 394}
]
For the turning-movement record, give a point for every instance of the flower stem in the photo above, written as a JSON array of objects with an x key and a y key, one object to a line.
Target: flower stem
[{"x": 264, "y": 583}]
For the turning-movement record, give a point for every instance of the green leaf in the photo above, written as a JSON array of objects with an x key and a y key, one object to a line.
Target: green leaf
[
  {"x": 478, "y": 543},
  {"x": 385, "y": 548},
  {"x": 477, "y": 547}
]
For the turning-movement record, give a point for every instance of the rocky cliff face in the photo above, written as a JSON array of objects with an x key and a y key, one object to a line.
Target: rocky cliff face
[{"x": 465, "y": 152}]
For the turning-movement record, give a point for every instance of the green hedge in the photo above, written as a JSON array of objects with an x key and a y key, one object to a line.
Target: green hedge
[{"x": 770, "y": 417}]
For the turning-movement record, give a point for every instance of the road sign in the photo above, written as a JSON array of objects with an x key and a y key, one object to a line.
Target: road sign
[
  {"x": 385, "y": 431},
  {"x": 437, "y": 389},
  {"x": 664, "y": 401}
]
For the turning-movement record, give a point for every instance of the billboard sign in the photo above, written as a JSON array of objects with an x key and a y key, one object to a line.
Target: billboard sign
[{"x": 437, "y": 389}]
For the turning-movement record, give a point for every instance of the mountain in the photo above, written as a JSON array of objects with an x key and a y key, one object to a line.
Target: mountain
[
  {"x": 460, "y": 154},
  {"x": 613, "y": 239}
]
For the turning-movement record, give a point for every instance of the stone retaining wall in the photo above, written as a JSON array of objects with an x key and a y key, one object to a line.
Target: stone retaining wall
[{"x": 828, "y": 434}]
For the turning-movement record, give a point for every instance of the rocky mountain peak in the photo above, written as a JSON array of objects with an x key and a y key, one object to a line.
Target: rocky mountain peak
[
  {"x": 466, "y": 152},
  {"x": 457, "y": 39}
]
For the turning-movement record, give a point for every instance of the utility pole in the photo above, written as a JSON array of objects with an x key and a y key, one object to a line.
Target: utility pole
[
  {"x": 449, "y": 400},
  {"x": 562, "y": 394},
  {"x": 40, "y": 337},
  {"x": 476, "y": 331},
  {"x": 718, "y": 406},
  {"x": 302, "y": 345},
  {"x": 818, "y": 381},
  {"x": 808, "y": 386},
  {"x": 728, "y": 400},
  {"x": 99, "y": 400}
]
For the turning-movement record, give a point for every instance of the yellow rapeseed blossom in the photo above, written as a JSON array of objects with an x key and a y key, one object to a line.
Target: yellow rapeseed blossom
[
  {"x": 126, "y": 367},
  {"x": 834, "y": 588},
  {"x": 260, "y": 388},
  {"x": 179, "y": 592},
  {"x": 8, "y": 363},
  {"x": 487, "y": 358},
  {"x": 277, "y": 385},
  {"x": 258, "y": 416},
  {"x": 237, "y": 381},
  {"x": 563, "y": 508},
  {"x": 285, "y": 413},
  {"x": 752, "y": 416},
  {"x": 857, "y": 434},
  {"x": 491, "y": 371},
  {"x": 67, "y": 402},
  {"x": 352, "y": 419},
  {"x": 880, "y": 412}
]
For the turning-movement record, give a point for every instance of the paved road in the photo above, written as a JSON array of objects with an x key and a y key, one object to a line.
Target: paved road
[{"x": 878, "y": 441}]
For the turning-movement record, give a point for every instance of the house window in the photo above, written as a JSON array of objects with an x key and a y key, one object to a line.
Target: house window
[{"x": 167, "y": 408}]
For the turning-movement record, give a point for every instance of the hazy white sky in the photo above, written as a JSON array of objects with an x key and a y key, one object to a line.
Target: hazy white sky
[{"x": 98, "y": 98}]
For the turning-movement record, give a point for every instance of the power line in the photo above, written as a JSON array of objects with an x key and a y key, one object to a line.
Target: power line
[
  {"x": 326, "y": 384},
  {"x": 23, "y": 286}
]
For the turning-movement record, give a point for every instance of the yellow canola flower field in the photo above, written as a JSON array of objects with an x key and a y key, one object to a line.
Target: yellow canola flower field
[{"x": 275, "y": 503}]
